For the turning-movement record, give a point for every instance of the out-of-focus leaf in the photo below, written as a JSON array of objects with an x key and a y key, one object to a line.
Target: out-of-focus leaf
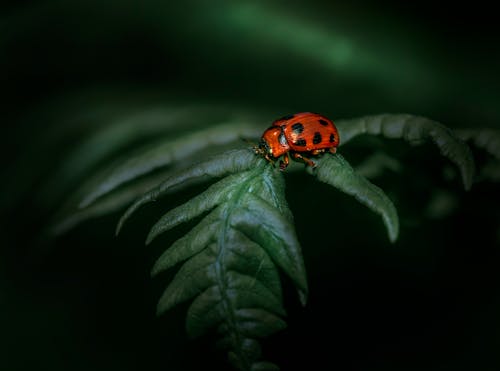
[
  {"x": 375, "y": 165},
  {"x": 413, "y": 129},
  {"x": 124, "y": 130},
  {"x": 70, "y": 216},
  {"x": 165, "y": 153},
  {"x": 488, "y": 140}
]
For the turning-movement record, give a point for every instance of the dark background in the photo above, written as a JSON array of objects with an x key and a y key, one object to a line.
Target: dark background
[{"x": 429, "y": 302}]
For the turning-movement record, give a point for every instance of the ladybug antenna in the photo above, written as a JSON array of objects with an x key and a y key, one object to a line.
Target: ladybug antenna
[{"x": 248, "y": 141}]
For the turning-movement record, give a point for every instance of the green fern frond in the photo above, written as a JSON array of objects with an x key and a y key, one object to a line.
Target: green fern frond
[
  {"x": 70, "y": 216},
  {"x": 120, "y": 132},
  {"x": 230, "y": 258},
  {"x": 166, "y": 153},
  {"x": 213, "y": 196},
  {"x": 415, "y": 130},
  {"x": 103, "y": 133},
  {"x": 217, "y": 166},
  {"x": 336, "y": 171},
  {"x": 229, "y": 261}
]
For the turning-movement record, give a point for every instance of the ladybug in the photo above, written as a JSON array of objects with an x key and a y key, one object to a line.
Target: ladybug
[{"x": 302, "y": 133}]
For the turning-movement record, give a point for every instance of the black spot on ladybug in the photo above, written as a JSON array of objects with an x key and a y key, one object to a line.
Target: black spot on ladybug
[
  {"x": 323, "y": 122},
  {"x": 317, "y": 138},
  {"x": 332, "y": 138},
  {"x": 300, "y": 142},
  {"x": 287, "y": 117},
  {"x": 298, "y": 128}
]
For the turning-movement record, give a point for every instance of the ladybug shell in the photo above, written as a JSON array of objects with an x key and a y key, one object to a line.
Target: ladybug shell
[
  {"x": 308, "y": 131},
  {"x": 274, "y": 142}
]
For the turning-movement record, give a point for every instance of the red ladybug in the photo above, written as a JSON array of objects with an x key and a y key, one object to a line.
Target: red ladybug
[{"x": 302, "y": 133}]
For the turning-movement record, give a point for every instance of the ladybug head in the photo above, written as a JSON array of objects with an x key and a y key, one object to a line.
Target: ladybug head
[
  {"x": 262, "y": 148},
  {"x": 273, "y": 143}
]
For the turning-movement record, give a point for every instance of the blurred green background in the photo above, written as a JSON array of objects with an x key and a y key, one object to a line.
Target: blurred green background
[{"x": 68, "y": 68}]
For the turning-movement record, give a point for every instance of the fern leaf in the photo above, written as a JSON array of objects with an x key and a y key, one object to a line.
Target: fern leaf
[
  {"x": 336, "y": 171},
  {"x": 192, "y": 278},
  {"x": 248, "y": 259},
  {"x": 233, "y": 161},
  {"x": 192, "y": 243},
  {"x": 264, "y": 366},
  {"x": 255, "y": 323},
  {"x": 213, "y": 196},
  {"x": 415, "y": 130},
  {"x": 264, "y": 224},
  {"x": 246, "y": 256},
  {"x": 69, "y": 216},
  {"x": 166, "y": 153},
  {"x": 253, "y": 349},
  {"x": 118, "y": 133},
  {"x": 230, "y": 259},
  {"x": 488, "y": 140}
]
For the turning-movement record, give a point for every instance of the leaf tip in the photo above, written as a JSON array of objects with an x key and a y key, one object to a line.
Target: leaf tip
[
  {"x": 124, "y": 218},
  {"x": 127, "y": 214},
  {"x": 467, "y": 170},
  {"x": 467, "y": 180},
  {"x": 392, "y": 226},
  {"x": 303, "y": 297},
  {"x": 119, "y": 227},
  {"x": 393, "y": 236},
  {"x": 155, "y": 270},
  {"x": 153, "y": 233}
]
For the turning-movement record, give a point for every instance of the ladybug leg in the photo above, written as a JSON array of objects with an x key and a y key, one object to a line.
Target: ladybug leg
[
  {"x": 333, "y": 150},
  {"x": 297, "y": 155},
  {"x": 266, "y": 156},
  {"x": 285, "y": 162}
]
